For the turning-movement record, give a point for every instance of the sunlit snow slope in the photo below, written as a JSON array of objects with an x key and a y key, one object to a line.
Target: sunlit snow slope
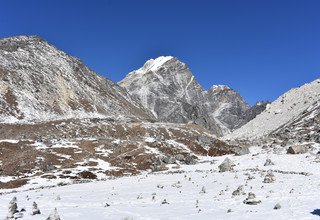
[{"x": 286, "y": 109}]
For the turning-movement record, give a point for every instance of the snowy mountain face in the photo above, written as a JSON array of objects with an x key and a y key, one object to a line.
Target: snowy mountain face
[
  {"x": 227, "y": 107},
  {"x": 40, "y": 83},
  {"x": 294, "y": 115},
  {"x": 168, "y": 89}
]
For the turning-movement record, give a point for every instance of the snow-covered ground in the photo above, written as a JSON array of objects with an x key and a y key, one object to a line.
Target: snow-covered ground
[{"x": 296, "y": 189}]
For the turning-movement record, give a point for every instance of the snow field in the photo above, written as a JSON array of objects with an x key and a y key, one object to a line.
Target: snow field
[{"x": 141, "y": 197}]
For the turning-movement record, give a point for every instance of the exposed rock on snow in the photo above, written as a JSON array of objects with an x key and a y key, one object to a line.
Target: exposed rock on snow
[
  {"x": 239, "y": 191},
  {"x": 277, "y": 206},
  {"x": 241, "y": 150},
  {"x": 250, "y": 200},
  {"x": 35, "y": 210},
  {"x": 12, "y": 209},
  {"x": 269, "y": 178},
  {"x": 226, "y": 165},
  {"x": 203, "y": 190},
  {"x": 54, "y": 215},
  {"x": 268, "y": 162},
  {"x": 164, "y": 202},
  {"x": 297, "y": 150}
]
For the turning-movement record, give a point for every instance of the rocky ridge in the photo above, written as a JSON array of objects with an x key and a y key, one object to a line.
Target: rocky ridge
[
  {"x": 39, "y": 83},
  {"x": 168, "y": 89}
]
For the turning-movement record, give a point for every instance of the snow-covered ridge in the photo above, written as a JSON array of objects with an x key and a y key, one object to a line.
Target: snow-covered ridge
[
  {"x": 285, "y": 109},
  {"x": 219, "y": 87},
  {"x": 154, "y": 64},
  {"x": 150, "y": 65}
]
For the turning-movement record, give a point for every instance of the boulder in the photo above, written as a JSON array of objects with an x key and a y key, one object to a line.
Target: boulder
[
  {"x": 180, "y": 157},
  {"x": 226, "y": 165},
  {"x": 190, "y": 160},
  {"x": 277, "y": 206},
  {"x": 269, "y": 178},
  {"x": 205, "y": 140},
  {"x": 239, "y": 151},
  {"x": 54, "y": 215},
  {"x": 238, "y": 191},
  {"x": 268, "y": 162},
  {"x": 250, "y": 200},
  {"x": 12, "y": 209},
  {"x": 297, "y": 150},
  {"x": 164, "y": 202},
  {"x": 169, "y": 160},
  {"x": 203, "y": 190},
  {"x": 35, "y": 209}
]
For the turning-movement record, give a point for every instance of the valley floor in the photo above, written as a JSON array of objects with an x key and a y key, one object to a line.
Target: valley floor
[{"x": 296, "y": 189}]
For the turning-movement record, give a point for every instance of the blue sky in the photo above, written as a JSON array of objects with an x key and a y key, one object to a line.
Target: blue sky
[{"x": 260, "y": 48}]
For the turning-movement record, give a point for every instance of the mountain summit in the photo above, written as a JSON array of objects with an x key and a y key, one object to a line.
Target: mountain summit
[{"x": 167, "y": 87}]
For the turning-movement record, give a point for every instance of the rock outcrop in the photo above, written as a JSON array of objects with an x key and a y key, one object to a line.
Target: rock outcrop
[
  {"x": 226, "y": 165},
  {"x": 297, "y": 150}
]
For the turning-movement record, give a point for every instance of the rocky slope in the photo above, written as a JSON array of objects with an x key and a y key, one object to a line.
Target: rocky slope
[
  {"x": 82, "y": 149},
  {"x": 302, "y": 129},
  {"x": 252, "y": 112},
  {"x": 40, "y": 83},
  {"x": 294, "y": 115},
  {"x": 168, "y": 89}
]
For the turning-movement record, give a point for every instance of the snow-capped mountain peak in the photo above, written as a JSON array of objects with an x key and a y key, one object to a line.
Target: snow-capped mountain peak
[
  {"x": 219, "y": 87},
  {"x": 154, "y": 64},
  {"x": 167, "y": 87}
]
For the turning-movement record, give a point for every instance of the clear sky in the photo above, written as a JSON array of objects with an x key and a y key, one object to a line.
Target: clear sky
[{"x": 260, "y": 48}]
